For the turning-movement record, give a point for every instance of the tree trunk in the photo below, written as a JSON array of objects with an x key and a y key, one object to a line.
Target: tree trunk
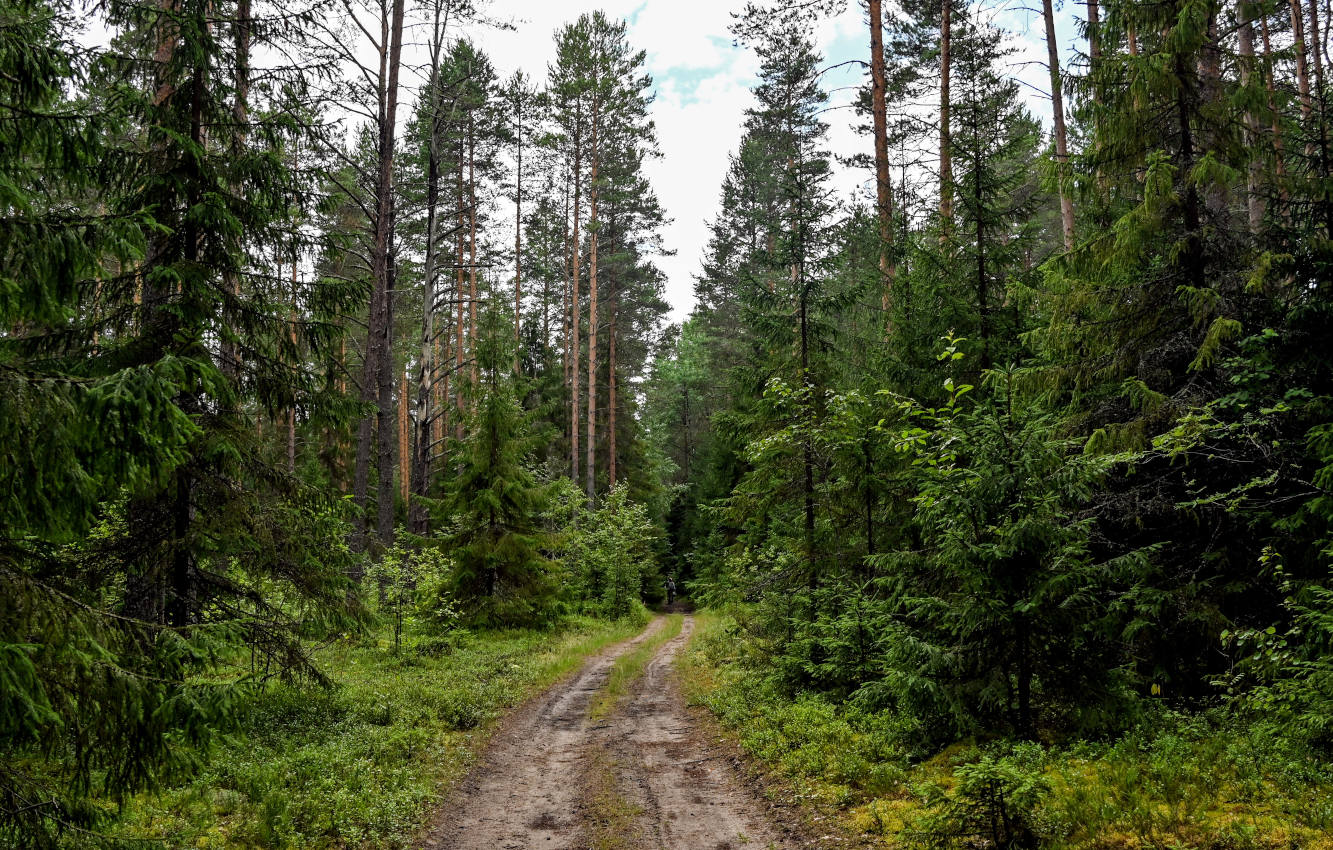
[
  {"x": 427, "y": 419},
  {"x": 1326, "y": 206},
  {"x": 1254, "y": 198},
  {"x": 518, "y": 232},
  {"x": 291, "y": 332},
  {"x": 377, "y": 381},
  {"x": 228, "y": 353},
  {"x": 460, "y": 307},
  {"x": 1210, "y": 92},
  {"x": 472, "y": 255},
  {"x": 883, "y": 188},
  {"x": 1279, "y": 158},
  {"x": 983, "y": 285},
  {"x": 1094, "y": 34},
  {"x": 1058, "y": 112},
  {"x": 1302, "y": 71},
  {"x": 574, "y": 304},
  {"x": 384, "y": 236},
  {"x": 594, "y": 227},
  {"x": 567, "y": 263},
  {"x": 946, "y": 155},
  {"x": 613, "y": 304}
]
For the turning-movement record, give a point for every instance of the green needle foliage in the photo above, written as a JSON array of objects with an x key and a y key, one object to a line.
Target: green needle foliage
[{"x": 495, "y": 499}]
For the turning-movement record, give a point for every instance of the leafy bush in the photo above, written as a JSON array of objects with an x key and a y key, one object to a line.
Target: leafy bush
[{"x": 608, "y": 552}]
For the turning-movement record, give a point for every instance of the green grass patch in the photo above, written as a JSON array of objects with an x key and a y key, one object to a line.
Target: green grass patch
[
  {"x": 630, "y": 666},
  {"x": 608, "y": 818},
  {"x": 1179, "y": 781},
  {"x": 361, "y": 764}
]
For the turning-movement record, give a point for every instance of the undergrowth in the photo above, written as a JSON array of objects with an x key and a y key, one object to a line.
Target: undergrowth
[
  {"x": 1208, "y": 781},
  {"x": 361, "y": 763}
]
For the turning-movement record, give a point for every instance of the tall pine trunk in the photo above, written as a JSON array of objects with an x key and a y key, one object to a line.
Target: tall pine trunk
[
  {"x": 1279, "y": 157},
  {"x": 1321, "y": 129},
  {"x": 228, "y": 353},
  {"x": 518, "y": 232},
  {"x": 1058, "y": 113},
  {"x": 593, "y": 234},
  {"x": 459, "y": 305},
  {"x": 385, "y": 213},
  {"x": 472, "y": 254},
  {"x": 883, "y": 187},
  {"x": 946, "y": 154},
  {"x": 427, "y": 427},
  {"x": 613, "y": 304},
  {"x": 1254, "y": 201},
  {"x": 404, "y": 439},
  {"x": 574, "y": 303},
  {"x": 377, "y": 380}
]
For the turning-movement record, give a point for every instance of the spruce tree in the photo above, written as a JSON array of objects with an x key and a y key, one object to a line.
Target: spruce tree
[{"x": 494, "y": 499}]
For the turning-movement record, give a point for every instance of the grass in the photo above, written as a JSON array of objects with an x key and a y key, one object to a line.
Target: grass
[
  {"x": 630, "y": 666},
  {"x": 363, "y": 763},
  {"x": 1180, "y": 781},
  {"x": 608, "y": 817}
]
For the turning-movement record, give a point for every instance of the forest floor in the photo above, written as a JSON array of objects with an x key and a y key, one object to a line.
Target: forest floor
[{"x": 612, "y": 759}]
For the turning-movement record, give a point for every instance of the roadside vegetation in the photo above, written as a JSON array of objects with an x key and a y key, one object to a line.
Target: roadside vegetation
[
  {"x": 362, "y": 762},
  {"x": 1221, "y": 778}
]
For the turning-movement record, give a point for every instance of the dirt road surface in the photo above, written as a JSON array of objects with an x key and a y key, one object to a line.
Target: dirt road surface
[{"x": 546, "y": 778}]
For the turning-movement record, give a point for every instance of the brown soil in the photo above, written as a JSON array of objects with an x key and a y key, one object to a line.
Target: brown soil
[{"x": 646, "y": 776}]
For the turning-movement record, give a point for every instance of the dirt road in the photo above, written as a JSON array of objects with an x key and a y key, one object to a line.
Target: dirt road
[{"x": 643, "y": 776}]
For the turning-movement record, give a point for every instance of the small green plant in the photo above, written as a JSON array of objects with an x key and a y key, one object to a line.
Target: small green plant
[{"x": 996, "y": 802}]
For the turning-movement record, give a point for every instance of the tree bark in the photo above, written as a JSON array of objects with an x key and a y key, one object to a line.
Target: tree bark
[
  {"x": 1058, "y": 113},
  {"x": 1302, "y": 70},
  {"x": 574, "y": 301},
  {"x": 883, "y": 187},
  {"x": 1094, "y": 34},
  {"x": 1254, "y": 198},
  {"x": 1279, "y": 158},
  {"x": 946, "y": 155},
  {"x": 472, "y": 255},
  {"x": 1316, "y": 43},
  {"x": 594, "y": 226},
  {"x": 613, "y": 304},
  {"x": 385, "y": 214},
  {"x": 377, "y": 380},
  {"x": 518, "y": 227},
  {"x": 228, "y": 353},
  {"x": 460, "y": 307},
  {"x": 427, "y": 418}
]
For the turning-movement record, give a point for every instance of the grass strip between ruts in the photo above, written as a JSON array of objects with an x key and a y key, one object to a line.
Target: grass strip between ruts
[{"x": 630, "y": 666}]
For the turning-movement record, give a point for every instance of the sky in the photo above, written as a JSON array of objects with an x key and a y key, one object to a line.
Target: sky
[{"x": 703, "y": 85}]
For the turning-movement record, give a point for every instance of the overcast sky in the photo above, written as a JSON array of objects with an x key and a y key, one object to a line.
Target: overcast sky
[{"x": 703, "y": 85}]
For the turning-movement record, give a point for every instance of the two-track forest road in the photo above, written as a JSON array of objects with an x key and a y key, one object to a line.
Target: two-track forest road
[{"x": 642, "y": 776}]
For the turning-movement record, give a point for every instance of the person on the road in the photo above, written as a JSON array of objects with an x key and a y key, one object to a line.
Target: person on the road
[{"x": 671, "y": 590}]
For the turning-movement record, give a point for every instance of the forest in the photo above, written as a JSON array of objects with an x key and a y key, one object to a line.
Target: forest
[{"x": 351, "y": 460}]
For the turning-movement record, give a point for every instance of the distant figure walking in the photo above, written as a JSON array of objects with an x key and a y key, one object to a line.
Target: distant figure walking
[{"x": 671, "y": 590}]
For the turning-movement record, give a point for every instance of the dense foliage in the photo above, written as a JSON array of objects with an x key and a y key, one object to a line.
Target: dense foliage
[
  {"x": 1031, "y": 445},
  {"x": 1039, "y": 440}
]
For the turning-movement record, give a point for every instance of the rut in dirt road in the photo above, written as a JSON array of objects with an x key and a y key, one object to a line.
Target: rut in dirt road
[
  {"x": 525, "y": 791},
  {"x": 532, "y": 788},
  {"x": 686, "y": 792}
]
